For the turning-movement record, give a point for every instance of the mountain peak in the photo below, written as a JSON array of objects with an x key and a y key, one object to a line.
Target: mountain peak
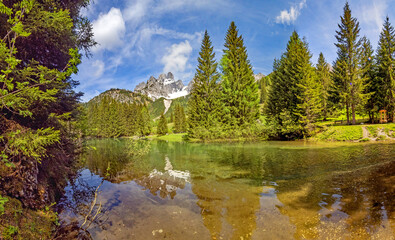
[{"x": 165, "y": 86}]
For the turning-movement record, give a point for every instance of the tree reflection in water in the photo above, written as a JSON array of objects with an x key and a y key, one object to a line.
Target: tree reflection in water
[{"x": 234, "y": 191}]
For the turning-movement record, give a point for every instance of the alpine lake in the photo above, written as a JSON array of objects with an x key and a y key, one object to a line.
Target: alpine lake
[{"x": 128, "y": 189}]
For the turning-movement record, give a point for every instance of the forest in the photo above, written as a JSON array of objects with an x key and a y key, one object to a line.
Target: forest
[
  {"x": 227, "y": 103},
  {"x": 43, "y": 122}
]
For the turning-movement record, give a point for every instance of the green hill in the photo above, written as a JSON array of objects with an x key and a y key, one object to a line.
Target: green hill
[{"x": 155, "y": 107}]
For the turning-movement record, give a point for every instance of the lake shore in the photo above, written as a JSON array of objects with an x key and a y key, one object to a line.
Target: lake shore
[{"x": 337, "y": 133}]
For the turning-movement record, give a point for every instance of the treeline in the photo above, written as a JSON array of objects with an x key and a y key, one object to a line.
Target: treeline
[
  {"x": 225, "y": 101},
  {"x": 177, "y": 117},
  {"x": 111, "y": 118}
]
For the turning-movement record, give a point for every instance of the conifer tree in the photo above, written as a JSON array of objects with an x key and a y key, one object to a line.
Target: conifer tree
[
  {"x": 162, "y": 125},
  {"x": 264, "y": 85},
  {"x": 293, "y": 100},
  {"x": 347, "y": 71},
  {"x": 369, "y": 73},
  {"x": 325, "y": 80},
  {"x": 239, "y": 90},
  {"x": 179, "y": 120},
  {"x": 171, "y": 117},
  {"x": 203, "y": 105},
  {"x": 386, "y": 67}
]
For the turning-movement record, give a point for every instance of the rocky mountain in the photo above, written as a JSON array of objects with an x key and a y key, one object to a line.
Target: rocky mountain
[
  {"x": 258, "y": 76},
  {"x": 124, "y": 96},
  {"x": 164, "y": 86}
]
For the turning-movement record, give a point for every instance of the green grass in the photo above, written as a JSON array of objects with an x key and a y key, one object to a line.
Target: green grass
[
  {"x": 353, "y": 132},
  {"x": 373, "y": 130},
  {"x": 341, "y": 133},
  {"x": 170, "y": 137},
  {"x": 388, "y": 128}
]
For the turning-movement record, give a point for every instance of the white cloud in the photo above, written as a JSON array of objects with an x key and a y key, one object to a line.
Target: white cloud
[
  {"x": 136, "y": 10},
  {"x": 109, "y": 29},
  {"x": 98, "y": 66},
  {"x": 176, "y": 59},
  {"x": 288, "y": 17},
  {"x": 164, "y": 6},
  {"x": 371, "y": 16}
]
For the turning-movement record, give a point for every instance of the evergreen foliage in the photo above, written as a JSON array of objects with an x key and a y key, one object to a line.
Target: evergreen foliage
[
  {"x": 240, "y": 98},
  {"x": 111, "y": 118},
  {"x": 386, "y": 69},
  {"x": 293, "y": 102},
  {"x": 162, "y": 125},
  {"x": 40, "y": 43},
  {"x": 203, "y": 105},
  {"x": 171, "y": 117},
  {"x": 348, "y": 74},
  {"x": 372, "y": 89},
  {"x": 326, "y": 84},
  {"x": 179, "y": 119},
  {"x": 264, "y": 84}
]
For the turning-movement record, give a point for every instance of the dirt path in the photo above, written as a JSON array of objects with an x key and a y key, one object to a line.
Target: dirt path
[
  {"x": 381, "y": 132},
  {"x": 365, "y": 133}
]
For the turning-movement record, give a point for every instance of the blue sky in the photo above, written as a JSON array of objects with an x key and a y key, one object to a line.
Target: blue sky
[{"x": 140, "y": 38}]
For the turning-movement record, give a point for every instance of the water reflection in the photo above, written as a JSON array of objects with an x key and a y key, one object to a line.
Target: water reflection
[{"x": 237, "y": 191}]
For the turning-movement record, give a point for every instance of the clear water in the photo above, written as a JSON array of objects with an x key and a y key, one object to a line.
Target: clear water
[{"x": 274, "y": 190}]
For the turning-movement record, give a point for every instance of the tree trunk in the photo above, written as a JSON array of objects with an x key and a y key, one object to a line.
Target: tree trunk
[
  {"x": 348, "y": 115},
  {"x": 353, "y": 113}
]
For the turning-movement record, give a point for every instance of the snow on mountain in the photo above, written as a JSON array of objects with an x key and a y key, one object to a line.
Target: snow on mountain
[{"x": 164, "y": 86}]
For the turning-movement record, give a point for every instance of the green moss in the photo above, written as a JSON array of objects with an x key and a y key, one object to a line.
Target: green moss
[{"x": 22, "y": 223}]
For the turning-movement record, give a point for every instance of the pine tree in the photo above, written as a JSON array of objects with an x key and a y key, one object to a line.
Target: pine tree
[
  {"x": 171, "y": 117},
  {"x": 203, "y": 105},
  {"x": 323, "y": 74},
  {"x": 145, "y": 124},
  {"x": 386, "y": 67},
  {"x": 179, "y": 120},
  {"x": 369, "y": 73},
  {"x": 239, "y": 90},
  {"x": 347, "y": 71},
  {"x": 264, "y": 86},
  {"x": 293, "y": 101},
  {"x": 162, "y": 125}
]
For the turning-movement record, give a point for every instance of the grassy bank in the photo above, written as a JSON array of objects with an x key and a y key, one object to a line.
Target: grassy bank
[
  {"x": 356, "y": 133},
  {"x": 331, "y": 133},
  {"x": 174, "y": 137}
]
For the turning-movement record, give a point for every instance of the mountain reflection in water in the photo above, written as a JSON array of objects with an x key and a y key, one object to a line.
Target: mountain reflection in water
[{"x": 235, "y": 191}]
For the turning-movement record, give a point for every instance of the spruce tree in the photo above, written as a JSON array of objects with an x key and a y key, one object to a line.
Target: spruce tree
[
  {"x": 171, "y": 117},
  {"x": 347, "y": 71},
  {"x": 325, "y": 80},
  {"x": 293, "y": 101},
  {"x": 264, "y": 87},
  {"x": 386, "y": 67},
  {"x": 239, "y": 90},
  {"x": 179, "y": 120},
  {"x": 369, "y": 73},
  {"x": 203, "y": 105},
  {"x": 162, "y": 125}
]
